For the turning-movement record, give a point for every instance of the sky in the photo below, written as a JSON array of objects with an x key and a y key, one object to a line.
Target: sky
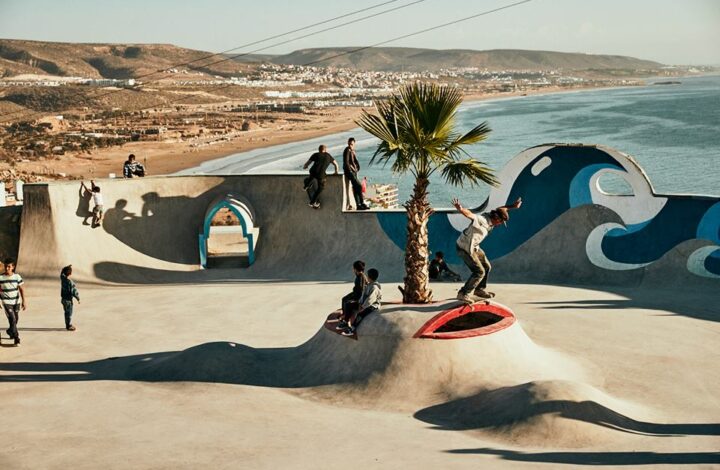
[{"x": 667, "y": 31}]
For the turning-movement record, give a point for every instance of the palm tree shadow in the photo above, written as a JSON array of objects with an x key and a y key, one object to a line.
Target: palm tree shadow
[{"x": 512, "y": 405}]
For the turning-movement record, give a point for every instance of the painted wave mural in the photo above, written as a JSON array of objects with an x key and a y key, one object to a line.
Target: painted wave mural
[{"x": 555, "y": 178}]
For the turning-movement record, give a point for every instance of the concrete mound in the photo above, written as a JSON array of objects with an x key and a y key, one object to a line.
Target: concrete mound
[{"x": 389, "y": 364}]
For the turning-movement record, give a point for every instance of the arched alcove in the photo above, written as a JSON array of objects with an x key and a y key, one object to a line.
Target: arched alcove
[{"x": 229, "y": 234}]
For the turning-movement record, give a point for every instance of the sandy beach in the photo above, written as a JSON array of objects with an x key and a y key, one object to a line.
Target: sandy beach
[{"x": 170, "y": 157}]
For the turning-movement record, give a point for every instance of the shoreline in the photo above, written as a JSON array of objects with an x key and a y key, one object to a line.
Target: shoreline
[{"x": 163, "y": 158}]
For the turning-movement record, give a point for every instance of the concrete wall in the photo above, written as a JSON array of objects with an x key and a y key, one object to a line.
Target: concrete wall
[{"x": 568, "y": 230}]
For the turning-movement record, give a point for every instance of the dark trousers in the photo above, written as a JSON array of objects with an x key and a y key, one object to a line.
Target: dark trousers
[
  {"x": 349, "y": 305},
  {"x": 356, "y": 187},
  {"x": 68, "y": 310},
  {"x": 314, "y": 187},
  {"x": 358, "y": 317},
  {"x": 12, "y": 312},
  {"x": 479, "y": 270}
]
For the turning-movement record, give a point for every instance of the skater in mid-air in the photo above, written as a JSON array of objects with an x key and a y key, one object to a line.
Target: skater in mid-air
[{"x": 468, "y": 248}]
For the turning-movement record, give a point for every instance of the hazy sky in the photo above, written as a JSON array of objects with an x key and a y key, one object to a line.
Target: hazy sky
[{"x": 668, "y": 31}]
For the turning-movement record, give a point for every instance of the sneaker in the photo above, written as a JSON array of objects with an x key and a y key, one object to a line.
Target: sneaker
[
  {"x": 349, "y": 331},
  {"x": 71, "y": 328},
  {"x": 462, "y": 297},
  {"x": 17, "y": 341},
  {"x": 363, "y": 208},
  {"x": 342, "y": 325},
  {"x": 316, "y": 205},
  {"x": 482, "y": 294}
]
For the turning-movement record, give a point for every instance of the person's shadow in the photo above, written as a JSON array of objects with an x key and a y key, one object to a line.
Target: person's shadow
[{"x": 83, "y": 209}]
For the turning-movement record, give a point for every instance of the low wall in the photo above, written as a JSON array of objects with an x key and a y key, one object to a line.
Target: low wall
[{"x": 568, "y": 230}]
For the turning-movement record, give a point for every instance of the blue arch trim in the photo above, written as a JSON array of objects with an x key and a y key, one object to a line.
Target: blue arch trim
[{"x": 206, "y": 231}]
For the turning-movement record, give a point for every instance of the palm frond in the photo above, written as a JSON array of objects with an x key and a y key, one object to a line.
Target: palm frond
[{"x": 468, "y": 171}]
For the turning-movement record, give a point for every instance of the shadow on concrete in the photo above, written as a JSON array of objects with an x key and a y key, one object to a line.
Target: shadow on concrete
[
  {"x": 700, "y": 304},
  {"x": 510, "y": 405},
  {"x": 158, "y": 221},
  {"x": 326, "y": 359},
  {"x": 83, "y": 208},
  {"x": 598, "y": 458}
]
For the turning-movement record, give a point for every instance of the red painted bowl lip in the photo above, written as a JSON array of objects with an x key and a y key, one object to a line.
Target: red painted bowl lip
[{"x": 427, "y": 331}]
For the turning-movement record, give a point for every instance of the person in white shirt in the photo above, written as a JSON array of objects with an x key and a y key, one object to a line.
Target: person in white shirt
[
  {"x": 97, "y": 200},
  {"x": 468, "y": 248}
]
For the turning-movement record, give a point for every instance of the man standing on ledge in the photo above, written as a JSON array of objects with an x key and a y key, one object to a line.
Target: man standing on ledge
[
  {"x": 315, "y": 183},
  {"x": 351, "y": 167},
  {"x": 468, "y": 248}
]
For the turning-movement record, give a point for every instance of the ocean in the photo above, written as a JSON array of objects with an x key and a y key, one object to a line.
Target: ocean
[{"x": 672, "y": 131}]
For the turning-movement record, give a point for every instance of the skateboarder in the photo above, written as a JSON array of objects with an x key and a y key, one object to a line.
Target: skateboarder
[
  {"x": 468, "y": 248},
  {"x": 12, "y": 295},
  {"x": 68, "y": 292},
  {"x": 98, "y": 209},
  {"x": 315, "y": 183},
  {"x": 369, "y": 303}
]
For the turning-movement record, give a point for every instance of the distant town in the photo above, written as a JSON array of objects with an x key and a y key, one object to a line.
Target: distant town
[{"x": 196, "y": 109}]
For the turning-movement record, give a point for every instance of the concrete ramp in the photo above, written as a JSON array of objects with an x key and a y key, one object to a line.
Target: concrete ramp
[{"x": 570, "y": 230}]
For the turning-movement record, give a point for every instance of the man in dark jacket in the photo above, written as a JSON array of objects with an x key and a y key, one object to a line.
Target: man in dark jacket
[
  {"x": 315, "y": 183},
  {"x": 351, "y": 167}
]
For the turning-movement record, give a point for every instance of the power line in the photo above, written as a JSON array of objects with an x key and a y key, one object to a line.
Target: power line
[
  {"x": 372, "y": 7},
  {"x": 359, "y": 49},
  {"x": 422, "y": 31}
]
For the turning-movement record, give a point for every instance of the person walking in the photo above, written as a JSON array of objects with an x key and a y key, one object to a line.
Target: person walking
[
  {"x": 351, "y": 167},
  {"x": 68, "y": 292},
  {"x": 13, "y": 297},
  {"x": 468, "y": 248},
  {"x": 315, "y": 182}
]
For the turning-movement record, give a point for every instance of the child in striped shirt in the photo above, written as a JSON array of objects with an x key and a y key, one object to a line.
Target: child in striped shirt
[{"x": 12, "y": 296}]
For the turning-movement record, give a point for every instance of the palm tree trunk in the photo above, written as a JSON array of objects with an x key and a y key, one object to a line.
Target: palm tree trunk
[{"x": 417, "y": 288}]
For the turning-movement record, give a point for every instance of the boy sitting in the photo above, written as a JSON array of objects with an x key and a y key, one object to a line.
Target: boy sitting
[{"x": 369, "y": 303}]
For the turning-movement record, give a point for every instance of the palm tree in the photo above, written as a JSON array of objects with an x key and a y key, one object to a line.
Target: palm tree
[{"x": 417, "y": 131}]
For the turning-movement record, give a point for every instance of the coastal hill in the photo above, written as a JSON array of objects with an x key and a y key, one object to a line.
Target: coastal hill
[
  {"x": 118, "y": 61},
  {"x": 410, "y": 59},
  {"x": 123, "y": 61}
]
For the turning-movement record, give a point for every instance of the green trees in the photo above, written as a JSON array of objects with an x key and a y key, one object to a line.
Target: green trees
[{"x": 417, "y": 133}]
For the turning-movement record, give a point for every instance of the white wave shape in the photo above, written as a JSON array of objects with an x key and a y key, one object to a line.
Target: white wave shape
[
  {"x": 696, "y": 261},
  {"x": 593, "y": 248}
]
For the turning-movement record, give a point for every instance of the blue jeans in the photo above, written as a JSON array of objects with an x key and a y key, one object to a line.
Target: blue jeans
[{"x": 68, "y": 308}]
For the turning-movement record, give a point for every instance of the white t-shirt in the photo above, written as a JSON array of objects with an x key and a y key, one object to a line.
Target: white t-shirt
[
  {"x": 469, "y": 240},
  {"x": 97, "y": 199}
]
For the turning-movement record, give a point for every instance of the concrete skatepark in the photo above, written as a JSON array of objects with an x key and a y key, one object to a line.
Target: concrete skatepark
[{"x": 606, "y": 360}]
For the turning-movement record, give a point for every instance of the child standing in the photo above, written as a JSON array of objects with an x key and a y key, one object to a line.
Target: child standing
[
  {"x": 68, "y": 292},
  {"x": 13, "y": 297},
  {"x": 369, "y": 303}
]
